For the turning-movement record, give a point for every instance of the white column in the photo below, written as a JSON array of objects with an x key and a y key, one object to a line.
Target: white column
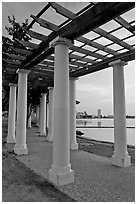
[
  {"x": 37, "y": 115},
  {"x": 42, "y": 126},
  {"x": 50, "y": 115},
  {"x": 72, "y": 96},
  {"x": 60, "y": 172},
  {"x": 120, "y": 157},
  {"x": 21, "y": 146},
  {"x": 12, "y": 114},
  {"x": 29, "y": 122}
]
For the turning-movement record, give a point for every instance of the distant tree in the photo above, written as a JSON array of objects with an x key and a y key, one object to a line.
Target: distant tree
[{"x": 16, "y": 30}]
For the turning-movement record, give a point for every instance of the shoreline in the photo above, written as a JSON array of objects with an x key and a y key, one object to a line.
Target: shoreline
[
  {"x": 101, "y": 142},
  {"x": 102, "y": 148},
  {"x": 99, "y": 127}
]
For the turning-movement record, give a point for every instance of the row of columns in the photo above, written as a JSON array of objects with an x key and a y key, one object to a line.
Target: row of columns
[
  {"x": 40, "y": 115},
  {"x": 61, "y": 106}
]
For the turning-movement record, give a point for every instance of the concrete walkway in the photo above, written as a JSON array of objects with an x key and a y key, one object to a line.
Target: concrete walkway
[{"x": 96, "y": 180}]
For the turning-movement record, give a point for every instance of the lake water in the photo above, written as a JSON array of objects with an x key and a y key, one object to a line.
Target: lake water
[{"x": 93, "y": 129}]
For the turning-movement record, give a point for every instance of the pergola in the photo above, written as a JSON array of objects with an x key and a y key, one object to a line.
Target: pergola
[{"x": 98, "y": 36}]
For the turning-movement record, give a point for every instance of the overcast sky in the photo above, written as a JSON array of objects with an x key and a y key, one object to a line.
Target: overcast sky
[{"x": 94, "y": 91}]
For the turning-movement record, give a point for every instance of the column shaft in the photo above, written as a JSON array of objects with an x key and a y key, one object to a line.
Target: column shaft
[
  {"x": 29, "y": 122},
  {"x": 72, "y": 92},
  {"x": 50, "y": 115},
  {"x": 20, "y": 146},
  {"x": 42, "y": 126},
  {"x": 120, "y": 157},
  {"x": 37, "y": 115},
  {"x": 61, "y": 172},
  {"x": 12, "y": 114}
]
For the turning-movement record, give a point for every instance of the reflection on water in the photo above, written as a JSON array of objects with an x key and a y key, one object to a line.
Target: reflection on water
[
  {"x": 101, "y": 122},
  {"x": 104, "y": 134}
]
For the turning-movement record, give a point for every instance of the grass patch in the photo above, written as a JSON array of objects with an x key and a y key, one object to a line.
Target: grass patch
[
  {"x": 20, "y": 184},
  {"x": 101, "y": 148}
]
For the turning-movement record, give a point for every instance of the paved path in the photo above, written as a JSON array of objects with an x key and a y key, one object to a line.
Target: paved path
[{"x": 96, "y": 180}]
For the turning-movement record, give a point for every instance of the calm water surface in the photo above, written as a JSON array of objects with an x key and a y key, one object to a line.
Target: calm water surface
[{"x": 104, "y": 134}]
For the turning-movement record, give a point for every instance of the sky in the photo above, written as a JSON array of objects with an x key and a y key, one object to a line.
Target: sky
[{"x": 94, "y": 91}]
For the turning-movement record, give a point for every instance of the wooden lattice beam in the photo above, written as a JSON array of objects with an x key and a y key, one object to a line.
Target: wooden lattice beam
[
  {"x": 125, "y": 24},
  {"x": 114, "y": 39},
  {"x": 127, "y": 56},
  {"x": 36, "y": 35}
]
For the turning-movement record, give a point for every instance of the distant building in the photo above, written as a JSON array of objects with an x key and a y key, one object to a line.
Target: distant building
[
  {"x": 99, "y": 113},
  {"x": 110, "y": 116}
]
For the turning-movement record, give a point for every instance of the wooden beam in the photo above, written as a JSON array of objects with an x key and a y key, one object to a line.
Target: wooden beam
[
  {"x": 22, "y": 51},
  {"x": 127, "y": 56},
  {"x": 63, "y": 11},
  {"x": 11, "y": 61},
  {"x": 72, "y": 56},
  {"x": 79, "y": 64},
  {"x": 82, "y": 24},
  {"x": 111, "y": 37},
  {"x": 52, "y": 64},
  {"x": 94, "y": 17},
  {"x": 36, "y": 35},
  {"x": 86, "y": 41},
  {"x": 125, "y": 24},
  {"x": 17, "y": 57},
  {"x": 87, "y": 52},
  {"x": 44, "y": 23},
  {"x": 28, "y": 44}
]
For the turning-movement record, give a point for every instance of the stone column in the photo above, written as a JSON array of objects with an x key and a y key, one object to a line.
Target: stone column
[
  {"x": 42, "y": 126},
  {"x": 29, "y": 122},
  {"x": 120, "y": 157},
  {"x": 60, "y": 172},
  {"x": 21, "y": 146},
  {"x": 72, "y": 96},
  {"x": 50, "y": 115},
  {"x": 37, "y": 115},
  {"x": 12, "y": 114}
]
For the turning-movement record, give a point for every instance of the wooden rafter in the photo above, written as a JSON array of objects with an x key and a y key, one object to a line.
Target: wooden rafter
[
  {"x": 28, "y": 44},
  {"x": 36, "y": 35},
  {"x": 17, "y": 57},
  {"x": 127, "y": 56},
  {"x": 125, "y": 24},
  {"x": 114, "y": 39},
  {"x": 88, "y": 19},
  {"x": 87, "y": 52},
  {"x": 45, "y": 24},
  {"x": 22, "y": 51}
]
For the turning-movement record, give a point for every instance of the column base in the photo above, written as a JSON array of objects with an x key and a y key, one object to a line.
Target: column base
[
  {"x": 11, "y": 140},
  {"x": 74, "y": 146},
  {"x": 49, "y": 139},
  {"x": 20, "y": 149},
  {"x": 121, "y": 162},
  {"x": 61, "y": 176},
  {"x": 42, "y": 135}
]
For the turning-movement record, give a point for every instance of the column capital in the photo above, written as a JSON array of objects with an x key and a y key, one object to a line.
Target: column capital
[
  {"x": 42, "y": 94},
  {"x": 118, "y": 63},
  {"x": 25, "y": 71},
  {"x": 60, "y": 40},
  {"x": 50, "y": 87},
  {"x": 15, "y": 85}
]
